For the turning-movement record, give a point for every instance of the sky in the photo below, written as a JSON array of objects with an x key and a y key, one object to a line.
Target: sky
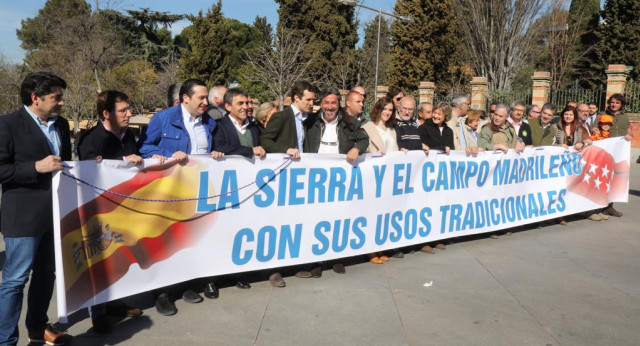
[{"x": 12, "y": 12}]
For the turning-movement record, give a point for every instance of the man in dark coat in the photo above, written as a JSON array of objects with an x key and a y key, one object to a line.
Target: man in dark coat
[
  {"x": 110, "y": 139},
  {"x": 333, "y": 131},
  {"x": 285, "y": 130},
  {"x": 236, "y": 134},
  {"x": 34, "y": 141}
]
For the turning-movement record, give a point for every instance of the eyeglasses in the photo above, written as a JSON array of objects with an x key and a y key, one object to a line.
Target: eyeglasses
[{"x": 548, "y": 114}]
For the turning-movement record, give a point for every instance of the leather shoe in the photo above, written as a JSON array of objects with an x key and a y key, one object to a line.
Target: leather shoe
[
  {"x": 211, "y": 291},
  {"x": 303, "y": 274},
  {"x": 398, "y": 254},
  {"x": 339, "y": 268},
  {"x": 192, "y": 297},
  {"x": 316, "y": 272},
  {"x": 611, "y": 212},
  {"x": 165, "y": 306},
  {"x": 101, "y": 324},
  {"x": 50, "y": 335},
  {"x": 243, "y": 285},
  {"x": 276, "y": 280},
  {"x": 428, "y": 249}
]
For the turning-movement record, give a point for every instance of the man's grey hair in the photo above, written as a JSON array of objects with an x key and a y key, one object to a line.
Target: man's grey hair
[
  {"x": 173, "y": 93},
  {"x": 517, "y": 103},
  {"x": 549, "y": 106},
  {"x": 503, "y": 106},
  {"x": 422, "y": 104},
  {"x": 216, "y": 92},
  {"x": 459, "y": 98},
  {"x": 331, "y": 91},
  {"x": 233, "y": 92}
]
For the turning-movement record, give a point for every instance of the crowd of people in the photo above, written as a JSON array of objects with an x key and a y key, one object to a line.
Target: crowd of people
[{"x": 35, "y": 140}]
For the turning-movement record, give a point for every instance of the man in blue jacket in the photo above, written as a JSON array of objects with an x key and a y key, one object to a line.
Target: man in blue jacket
[{"x": 176, "y": 133}]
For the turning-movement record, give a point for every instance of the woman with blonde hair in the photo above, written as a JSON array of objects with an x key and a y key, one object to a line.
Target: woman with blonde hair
[{"x": 264, "y": 113}]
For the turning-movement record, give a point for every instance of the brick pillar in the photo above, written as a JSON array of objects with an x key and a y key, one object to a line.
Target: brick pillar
[
  {"x": 616, "y": 79},
  {"x": 479, "y": 93},
  {"x": 381, "y": 91},
  {"x": 426, "y": 92},
  {"x": 541, "y": 88}
]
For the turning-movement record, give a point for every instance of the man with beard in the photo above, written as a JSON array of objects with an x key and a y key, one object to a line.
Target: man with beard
[{"x": 334, "y": 132}]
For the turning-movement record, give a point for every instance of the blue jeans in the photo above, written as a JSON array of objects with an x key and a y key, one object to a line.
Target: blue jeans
[{"x": 25, "y": 255}]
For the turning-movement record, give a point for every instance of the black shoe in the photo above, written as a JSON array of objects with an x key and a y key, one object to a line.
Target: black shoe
[
  {"x": 398, "y": 254},
  {"x": 243, "y": 285},
  {"x": 192, "y": 297},
  {"x": 339, "y": 268},
  {"x": 165, "y": 306},
  {"x": 101, "y": 324},
  {"x": 316, "y": 272},
  {"x": 210, "y": 291}
]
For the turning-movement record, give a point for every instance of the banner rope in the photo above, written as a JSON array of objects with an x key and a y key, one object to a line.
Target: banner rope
[{"x": 277, "y": 171}]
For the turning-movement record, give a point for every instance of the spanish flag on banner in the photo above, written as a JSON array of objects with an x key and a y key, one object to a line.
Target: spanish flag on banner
[{"x": 109, "y": 233}]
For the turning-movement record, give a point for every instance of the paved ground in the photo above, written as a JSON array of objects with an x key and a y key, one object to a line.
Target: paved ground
[{"x": 573, "y": 285}]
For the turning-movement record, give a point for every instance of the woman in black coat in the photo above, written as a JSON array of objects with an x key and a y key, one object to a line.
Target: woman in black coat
[{"x": 434, "y": 132}]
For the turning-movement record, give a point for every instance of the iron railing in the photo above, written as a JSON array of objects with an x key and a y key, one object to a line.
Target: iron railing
[{"x": 632, "y": 96}]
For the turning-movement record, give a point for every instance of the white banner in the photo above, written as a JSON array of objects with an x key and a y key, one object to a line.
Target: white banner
[{"x": 125, "y": 230}]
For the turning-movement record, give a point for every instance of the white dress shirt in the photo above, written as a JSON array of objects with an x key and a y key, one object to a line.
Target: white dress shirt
[{"x": 197, "y": 133}]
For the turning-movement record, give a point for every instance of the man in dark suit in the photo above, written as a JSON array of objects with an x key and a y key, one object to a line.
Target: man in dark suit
[
  {"x": 286, "y": 129},
  {"x": 285, "y": 133},
  {"x": 34, "y": 141},
  {"x": 236, "y": 134}
]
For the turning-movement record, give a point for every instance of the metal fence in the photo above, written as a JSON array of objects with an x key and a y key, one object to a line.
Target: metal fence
[
  {"x": 508, "y": 96},
  {"x": 632, "y": 95},
  {"x": 560, "y": 97}
]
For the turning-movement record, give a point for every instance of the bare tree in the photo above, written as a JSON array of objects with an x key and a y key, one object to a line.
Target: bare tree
[
  {"x": 499, "y": 35},
  {"x": 11, "y": 76},
  {"x": 279, "y": 65},
  {"x": 562, "y": 36}
]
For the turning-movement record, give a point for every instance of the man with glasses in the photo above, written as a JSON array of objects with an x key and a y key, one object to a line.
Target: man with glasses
[
  {"x": 407, "y": 127},
  {"x": 523, "y": 130},
  {"x": 542, "y": 133},
  {"x": 460, "y": 104},
  {"x": 583, "y": 116},
  {"x": 534, "y": 112}
]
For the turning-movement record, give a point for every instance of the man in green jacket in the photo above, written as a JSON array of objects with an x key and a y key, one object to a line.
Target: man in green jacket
[
  {"x": 542, "y": 133},
  {"x": 619, "y": 128}
]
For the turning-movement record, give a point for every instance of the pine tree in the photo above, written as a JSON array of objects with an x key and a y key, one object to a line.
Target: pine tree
[
  {"x": 619, "y": 34},
  {"x": 264, "y": 27},
  {"x": 207, "y": 56},
  {"x": 422, "y": 48},
  {"x": 330, "y": 30},
  {"x": 584, "y": 17}
]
